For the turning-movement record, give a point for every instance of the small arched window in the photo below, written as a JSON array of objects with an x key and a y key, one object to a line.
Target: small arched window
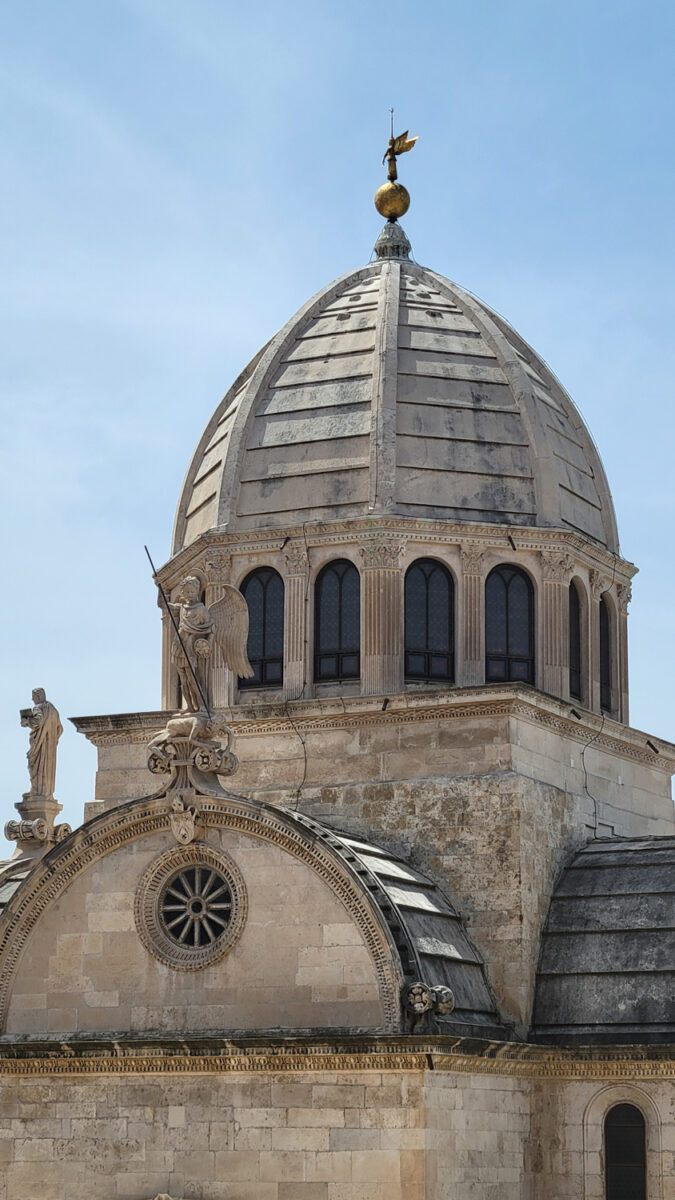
[
  {"x": 605, "y": 656},
  {"x": 625, "y": 1154},
  {"x": 575, "y": 642},
  {"x": 337, "y": 622},
  {"x": 509, "y": 626},
  {"x": 263, "y": 591},
  {"x": 429, "y": 621}
]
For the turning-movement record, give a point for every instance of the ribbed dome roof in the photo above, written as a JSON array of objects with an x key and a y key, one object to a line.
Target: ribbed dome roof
[
  {"x": 607, "y": 967},
  {"x": 393, "y": 391}
]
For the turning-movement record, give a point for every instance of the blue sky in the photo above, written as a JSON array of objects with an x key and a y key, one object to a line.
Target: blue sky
[{"x": 180, "y": 177}]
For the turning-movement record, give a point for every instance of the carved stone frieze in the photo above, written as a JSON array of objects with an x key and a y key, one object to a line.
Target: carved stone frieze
[
  {"x": 557, "y": 566},
  {"x": 382, "y": 552}
]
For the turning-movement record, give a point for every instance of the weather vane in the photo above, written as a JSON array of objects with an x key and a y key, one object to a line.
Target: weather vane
[{"x": 392, "y": 200}]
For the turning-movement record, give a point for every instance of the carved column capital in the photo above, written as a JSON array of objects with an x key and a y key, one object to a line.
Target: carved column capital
[
  {"x": 382, "y": 552},
  {"x": 599, "y": 583},
  {"x": 557, "y": 566},
  {"x": 472, "y": 559},
  {"x": 624, "y": 593},
  {"x": 217, "y": 566},
  {"x": 297, "y": 558}
]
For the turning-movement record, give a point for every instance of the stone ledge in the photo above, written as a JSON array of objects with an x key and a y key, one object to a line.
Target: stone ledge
[{"x": 315, "y": 1051}]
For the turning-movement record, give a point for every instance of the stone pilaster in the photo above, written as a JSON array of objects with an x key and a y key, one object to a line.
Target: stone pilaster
[
  {"x": 295, "y": 620},
  {"x": 554, "y": 623},
  {"x": 381, "y": 617},
  {"x": 624, "y": 593},
  {"x": 471, "y": 668},
  {"x": 599, "y": 584}
]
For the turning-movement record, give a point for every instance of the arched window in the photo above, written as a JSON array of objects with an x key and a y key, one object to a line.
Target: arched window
[
  {"x": 429, "y": 621},
  {"x": 575, "y": 642},
  {"x": 625, "y": 1154},
  {"x": 337, "y": 622},
  {"x": 605, "y": 656},
  {"x": 263, "y": 591},
  {"x": 509, "y": 626}
]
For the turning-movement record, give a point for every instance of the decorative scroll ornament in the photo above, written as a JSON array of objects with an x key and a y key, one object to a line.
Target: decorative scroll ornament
[
  {"x": 557, "y": 567},
  {"x": 382, "y": 552},
  {"x": 297, "y": 560},
  {"x": 472, "y": 560},
  {"x": 422, "y": 1002},
  {"x": 27, "y": 831},
  {"x": 193, "y": 749}
]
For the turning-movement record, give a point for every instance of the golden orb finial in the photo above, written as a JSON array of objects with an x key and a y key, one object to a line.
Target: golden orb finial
[{"x": 392, "y": 200}]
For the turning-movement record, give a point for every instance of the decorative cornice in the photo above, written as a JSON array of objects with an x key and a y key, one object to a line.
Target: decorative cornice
[
  {"x": 405, "y": 709},
  {"x": 267, "y": 542},
  {"x": 462, "y": 1056}
]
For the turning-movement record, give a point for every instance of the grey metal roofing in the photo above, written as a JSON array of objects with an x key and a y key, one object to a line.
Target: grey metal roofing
[
  {"x": 395, "y": 391},
  {"x": 607, "y": 966},
  {"x": 429, "y": 935}
]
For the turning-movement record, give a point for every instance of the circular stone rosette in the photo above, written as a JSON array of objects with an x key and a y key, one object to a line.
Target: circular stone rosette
[{"x": 190, "y": 906}]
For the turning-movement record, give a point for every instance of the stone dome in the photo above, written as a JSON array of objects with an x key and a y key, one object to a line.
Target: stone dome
[
  {"x": 607, "y": 967},
  {"x": 395, "y": 392}
]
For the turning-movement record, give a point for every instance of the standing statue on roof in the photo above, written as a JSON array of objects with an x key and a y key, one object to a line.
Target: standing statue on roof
[
  {"x": 196, "y": 629},
  {"x": 45, "y": 730}
]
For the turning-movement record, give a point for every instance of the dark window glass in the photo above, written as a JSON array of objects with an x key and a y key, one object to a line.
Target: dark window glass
[
  {"x": 429, "y": 621},
  {"x": 575, "y": 642},
  {"x": 509, "y": 626},
  {"x": 337, "y": 622},
  {"x": 263, "y": 591},
  {"x": 605, "y": 657},
  {"x": 625, "y": 1153}
]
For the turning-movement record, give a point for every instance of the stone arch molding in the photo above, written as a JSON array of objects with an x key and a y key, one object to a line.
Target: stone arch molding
[
  {"x": 594, "y": 1150},
  {"x": 141, "y": 818}
]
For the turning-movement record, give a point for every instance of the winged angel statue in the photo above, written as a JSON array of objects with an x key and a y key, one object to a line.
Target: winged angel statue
[{"x": 224, "y": 624}]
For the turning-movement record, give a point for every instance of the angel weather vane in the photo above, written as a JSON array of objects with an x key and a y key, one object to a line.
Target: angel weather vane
[
  {"x": 196, "y": 629},
  {"x": 397, "y": 145}
]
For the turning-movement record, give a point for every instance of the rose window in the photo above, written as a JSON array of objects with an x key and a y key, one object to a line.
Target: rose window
[
  {"x": 190, "y": 906},
  {"x": 196, "y": 906}
]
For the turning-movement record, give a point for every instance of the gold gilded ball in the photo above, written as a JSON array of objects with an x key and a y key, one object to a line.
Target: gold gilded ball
[{"x": 392, "y": 200}]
